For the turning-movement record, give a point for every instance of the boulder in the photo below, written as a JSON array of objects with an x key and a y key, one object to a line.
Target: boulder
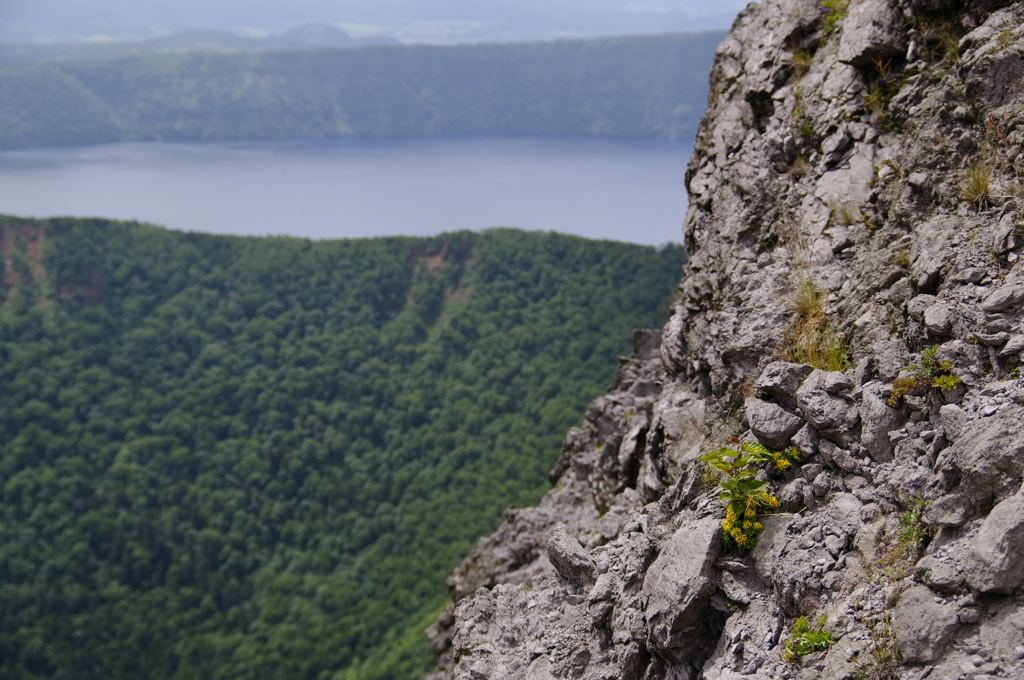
[
  {"x": 939, "y": 574},
  {"x": 1004, "y": 298},
  {"x": 878, "y": 420},
  {"x": 923, "y": 625},
  {"x": 919, "y": 305},
  {"x": 780, "y": 380},
  {"x": 677, "y": 588},
  {"x": 806, "y": 439},
  {"x": 831, "y": 414},
  {"x": 872, "y": 30},
  {"x": 953, "y": 419},
  {"x": 844, "y": 512},
  {"x": 987, "y": 460},
  {"x": 771, "y": 423},
  {"x": 995, "y": 563},
  {"x": 948, "y": 511},
  {"x": 569, "y": 558},
  {"x": 891, "y": 356},
  {"x": 1013, "y": 346},
  {"x": 938, "y": 318}
]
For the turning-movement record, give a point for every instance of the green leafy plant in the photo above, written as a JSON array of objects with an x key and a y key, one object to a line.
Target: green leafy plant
[
  {"x": 742, "y": 492},
  {"x": 834, "y": 11},
  {"x": 929, "y": 374},
  {"x": 807, "y": 639},
  {"x": 902, "y": 551},
  {"x": 912, "y": 532}
]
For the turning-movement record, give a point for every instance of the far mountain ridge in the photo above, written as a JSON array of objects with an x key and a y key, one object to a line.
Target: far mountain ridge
[
  {"x": 641, "y": 87},
  {"x": 302, "y": 37}
]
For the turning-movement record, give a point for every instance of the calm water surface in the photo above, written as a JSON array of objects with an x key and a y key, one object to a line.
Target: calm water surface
[{"x": 626, "y": 191}]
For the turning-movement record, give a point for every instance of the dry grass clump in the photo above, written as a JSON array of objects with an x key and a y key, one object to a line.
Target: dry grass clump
[
  {"x": 811, "y": 337},
  {"x": 817, "y": 343},
  {"x": 800, "y": 61},
  {"x": 846, "y": 214},
  {"x": 975, "y": 187}
]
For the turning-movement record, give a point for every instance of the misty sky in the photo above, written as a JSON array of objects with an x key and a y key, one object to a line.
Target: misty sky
[{"x": 441, "y": 21}]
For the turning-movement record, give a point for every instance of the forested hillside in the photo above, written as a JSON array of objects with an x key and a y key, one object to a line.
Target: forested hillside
[
  {"x": 256, "y": 458},
  {"x": 643, "y": 87}
]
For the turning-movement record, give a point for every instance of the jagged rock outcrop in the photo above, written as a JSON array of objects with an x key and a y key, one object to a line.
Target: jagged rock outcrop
[{"x": 856, "y": 220}]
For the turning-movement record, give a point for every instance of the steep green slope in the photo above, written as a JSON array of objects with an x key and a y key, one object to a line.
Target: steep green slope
[
  {"x": 258, "y": 458},
  {"x": 640, "y": 86}
]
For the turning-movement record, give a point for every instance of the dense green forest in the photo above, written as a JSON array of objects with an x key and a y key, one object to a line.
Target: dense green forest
[
  {"x": 227, "y": 457},
  {"x": 643, "y": 87}
]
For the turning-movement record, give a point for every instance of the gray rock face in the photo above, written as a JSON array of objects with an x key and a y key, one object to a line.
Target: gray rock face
[
  {"x": 988, "y": 458},
  {"x": 938, "y": 319},
  {"x": 1003, "y": 298},
  {"x": 995, "y": 563},
  {"x": 953, "y": 419},
  {"x": 646, "y": 591}
]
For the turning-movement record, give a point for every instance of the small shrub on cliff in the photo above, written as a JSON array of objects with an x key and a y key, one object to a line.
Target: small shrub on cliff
[
  {"x": 912, "y": 532},
  {"x": 940, "y": 38},
  {"x": 929, "y": 374},
  {"x": 742, "y": 492},
  {"x": 807, "y": 639}
]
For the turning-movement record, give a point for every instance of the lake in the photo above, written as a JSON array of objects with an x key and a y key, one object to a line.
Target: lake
[{"x": 621, "y": 190}]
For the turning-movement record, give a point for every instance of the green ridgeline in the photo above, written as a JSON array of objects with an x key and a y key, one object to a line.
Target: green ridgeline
[
  {"x": 653, "y": 87},
  {"x": 228, "y": 457}
]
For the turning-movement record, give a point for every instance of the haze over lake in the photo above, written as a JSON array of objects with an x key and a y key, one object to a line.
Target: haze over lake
[{"x": 621, "y": 190}]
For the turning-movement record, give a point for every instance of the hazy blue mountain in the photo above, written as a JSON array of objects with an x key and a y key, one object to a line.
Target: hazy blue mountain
[
  {"x": 411, "y": 21},
  {"x": 652, "y": 87},
  {"x": 304, "y": 37}
]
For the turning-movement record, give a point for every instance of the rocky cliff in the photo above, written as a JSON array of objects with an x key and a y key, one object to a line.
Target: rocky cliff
[{"x": 856, "y": 215}]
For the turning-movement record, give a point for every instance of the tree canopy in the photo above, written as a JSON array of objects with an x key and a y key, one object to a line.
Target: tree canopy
[{"x": 227, "y": 457}]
